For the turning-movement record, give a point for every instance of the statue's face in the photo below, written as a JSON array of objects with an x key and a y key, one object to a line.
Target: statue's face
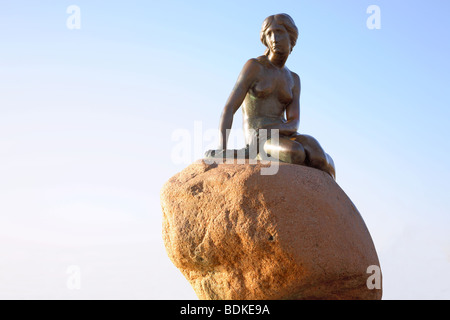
[{"x": 277, "y": 39}]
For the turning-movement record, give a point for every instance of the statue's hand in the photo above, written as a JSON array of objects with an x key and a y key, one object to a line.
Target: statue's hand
[
  {"x": 214, "y": 153},
  {"x": 209, "y": 153}
]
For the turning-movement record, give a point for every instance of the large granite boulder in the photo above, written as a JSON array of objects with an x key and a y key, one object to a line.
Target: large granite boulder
[{"x": 237, "y": 234}]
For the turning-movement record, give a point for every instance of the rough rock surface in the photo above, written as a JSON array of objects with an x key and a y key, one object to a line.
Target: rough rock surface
[{"x": 237, "y": 234}]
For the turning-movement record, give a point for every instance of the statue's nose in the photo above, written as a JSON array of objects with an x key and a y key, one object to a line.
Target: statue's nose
[{"x": 276, "y": 39}]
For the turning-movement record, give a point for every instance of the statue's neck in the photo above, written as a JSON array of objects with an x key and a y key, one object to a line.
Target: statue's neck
[{"x": 278, "y": 60}]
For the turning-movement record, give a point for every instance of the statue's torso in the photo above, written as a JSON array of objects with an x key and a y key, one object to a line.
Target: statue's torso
[{"x": 267, "y": 99}]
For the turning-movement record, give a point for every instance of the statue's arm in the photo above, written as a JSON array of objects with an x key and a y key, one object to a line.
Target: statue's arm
[
  {"x": 293, "y": 109},
  {"x": 245, "y": 81}
]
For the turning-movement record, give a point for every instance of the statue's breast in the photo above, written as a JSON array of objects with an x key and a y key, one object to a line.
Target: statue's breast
[
  {"x": 277, "y": 87},
  {"x": 263, "y": 89},
  {"x": 284, "y": 92}
]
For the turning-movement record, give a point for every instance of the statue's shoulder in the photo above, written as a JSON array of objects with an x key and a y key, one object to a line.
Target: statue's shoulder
[
  {"x": 253, "y": 66},
  {"x": 262, "y": 60},
  {"x": 294, "y": 75},
  {"x": 256, "y": 62}
]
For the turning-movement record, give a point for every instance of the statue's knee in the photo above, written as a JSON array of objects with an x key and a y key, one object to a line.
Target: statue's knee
[
  {"x": 298, "y": 154},
  {"x": 318, "y": 162},
  {"x": 290, "y": 152},
  {"x": 330, "y": 160},
  {"x": 269, "y": 148}
]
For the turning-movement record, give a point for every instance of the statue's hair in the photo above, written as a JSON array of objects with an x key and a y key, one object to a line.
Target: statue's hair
[{"x": 286, "y": 21}]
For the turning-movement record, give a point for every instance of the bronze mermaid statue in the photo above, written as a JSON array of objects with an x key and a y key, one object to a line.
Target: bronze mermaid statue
[{"x": 269, "y": 94}]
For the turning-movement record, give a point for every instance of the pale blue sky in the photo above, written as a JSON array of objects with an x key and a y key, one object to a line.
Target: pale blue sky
[{"x": 86, "y": 118}]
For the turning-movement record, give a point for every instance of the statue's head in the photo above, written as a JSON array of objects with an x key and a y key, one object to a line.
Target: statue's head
[{"x": 279, "y": 28}]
